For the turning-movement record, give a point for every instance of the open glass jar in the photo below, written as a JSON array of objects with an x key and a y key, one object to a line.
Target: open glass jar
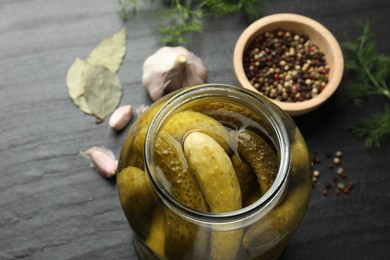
[{"x": 213, "y": 172}]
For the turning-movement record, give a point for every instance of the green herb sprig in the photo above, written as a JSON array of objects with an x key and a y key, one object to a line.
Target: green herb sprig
[
  {"x": 374, "y": 128},
  {"x": 124, "y": 6},
  {"x": 372, "y": 70},
  {"x": 179, "y": 20},
  {"x": 251, "y": 8},
  {"x": 186, "y": 16}
]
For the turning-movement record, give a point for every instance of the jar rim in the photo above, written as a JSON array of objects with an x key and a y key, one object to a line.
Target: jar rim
[{"x": 250, "y": 213}]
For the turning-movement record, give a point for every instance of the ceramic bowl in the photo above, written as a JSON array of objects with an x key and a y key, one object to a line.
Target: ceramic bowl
[{"x": 318, "y": 35}]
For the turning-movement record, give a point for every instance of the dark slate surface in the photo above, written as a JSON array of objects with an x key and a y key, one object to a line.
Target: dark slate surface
[{"x": 54, "y": 206}]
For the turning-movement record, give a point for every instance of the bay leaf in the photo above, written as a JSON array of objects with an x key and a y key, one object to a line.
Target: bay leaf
[
  {"x": 74, "y": 81},
  {"x": 110, "y": 51},
  {"x": 102, "y": 90}
]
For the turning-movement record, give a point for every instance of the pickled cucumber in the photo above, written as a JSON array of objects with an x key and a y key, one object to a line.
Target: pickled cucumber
[
  {"x": 184, "y": 240},
  {"x": 245, "y": 176},
  {"x": 138, "y": 147},
  {"x": 230, "y": 114},
  {"x": 156, "y": 238},
  {"x": 253, "y": 196},
  {"x": 185, "y": 122},
  {"x": 147, "y": 117},
  {"x": 225, "y": 244},
  {"x": 170, "y": 159},
  {"x": 135, "y": 195},
  {"x": 260, "y": 156},
  {"x": 277, "y": 227},
  {"x": 267, "y": 237},
  {"x": 218, "y": 181},
  {"x": 127, "y": 156},
  {"x": 178, "y": 126},
  {"x": 214, "y": 171},
  {"x": 300, "y": 161}
]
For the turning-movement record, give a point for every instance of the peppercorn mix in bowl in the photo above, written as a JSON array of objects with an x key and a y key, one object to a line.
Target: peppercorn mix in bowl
[{"x": 292, "y": 59}]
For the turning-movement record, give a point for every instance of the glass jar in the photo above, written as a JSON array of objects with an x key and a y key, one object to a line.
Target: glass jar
[{"x": 184, "y": 201}]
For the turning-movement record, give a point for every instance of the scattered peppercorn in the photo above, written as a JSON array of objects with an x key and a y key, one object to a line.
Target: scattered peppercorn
[
  {"x": 336, "y": 160},
  {"x": 341, "y": 187},
  {"x": 340, "y": 170},
  {"x": 339, "y": 154},
  {"x": 286, "y": 66}
]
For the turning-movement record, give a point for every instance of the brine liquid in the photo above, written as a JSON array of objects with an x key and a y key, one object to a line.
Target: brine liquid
[{"x": 161, "y": 233}]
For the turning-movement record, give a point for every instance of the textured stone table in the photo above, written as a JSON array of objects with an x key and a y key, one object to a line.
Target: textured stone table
[{"x": 54, "y": 206}]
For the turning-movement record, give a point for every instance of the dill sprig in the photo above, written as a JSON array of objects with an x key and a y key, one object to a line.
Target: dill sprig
[
  {"x": 184, "y": 16},
  {"x": 179, "y": 20},
  {"x": 372, "y": 70},
  {"x": 124, "y": 6},
  {"x": 373, "y": 128},
  {"x": 251, "y": 8}
]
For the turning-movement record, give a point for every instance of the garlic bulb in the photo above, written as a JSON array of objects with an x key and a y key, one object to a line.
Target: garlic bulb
[{"x": 171, "y": 68}]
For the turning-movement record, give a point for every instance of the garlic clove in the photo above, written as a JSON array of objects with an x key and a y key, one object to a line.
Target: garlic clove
[
  {"x": 121, "y": 117},
  {"x": 103, "y": 160},
  {"x": 171, "y": 68}
]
